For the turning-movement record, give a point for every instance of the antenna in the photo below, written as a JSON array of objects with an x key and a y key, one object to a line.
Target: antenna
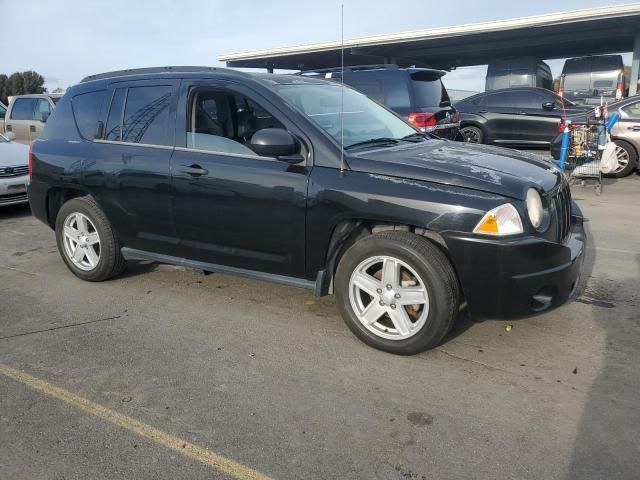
[{"x": 342, "y": 88}]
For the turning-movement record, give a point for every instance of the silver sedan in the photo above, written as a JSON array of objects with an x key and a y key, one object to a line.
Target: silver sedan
[{"x": 14, "y": 170}]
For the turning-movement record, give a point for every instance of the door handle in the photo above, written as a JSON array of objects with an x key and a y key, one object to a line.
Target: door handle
[
  {"x": 634, "y": 129},
  {"x": 523, "y": 113},
  {"x": 32, "y": 128},
  {"x": 194, "y": 170},
  {"x": 483, "y": 111}
]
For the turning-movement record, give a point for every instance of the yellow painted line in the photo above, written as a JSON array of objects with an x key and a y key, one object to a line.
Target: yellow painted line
[{"x": 199, "y": 454}]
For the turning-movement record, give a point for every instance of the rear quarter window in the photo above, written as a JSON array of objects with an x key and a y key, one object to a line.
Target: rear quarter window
[{"x": 86, "y": 111}]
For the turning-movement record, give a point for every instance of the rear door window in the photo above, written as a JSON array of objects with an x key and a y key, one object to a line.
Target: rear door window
[
  {"x": 23, "y": 109},
  {"x": 86, "y": 111},
  {"x": 114, "y": 121},
  {"x": 146, "y": 115},
  {"x": 497, "y": 100},
  {"x": 372, "y": 88}
]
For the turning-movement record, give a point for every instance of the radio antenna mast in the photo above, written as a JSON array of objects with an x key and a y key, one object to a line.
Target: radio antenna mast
[{"x": 342, "y": 88}]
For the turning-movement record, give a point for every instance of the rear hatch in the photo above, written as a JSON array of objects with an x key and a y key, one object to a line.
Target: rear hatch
[{"x": 431, "y": 106}]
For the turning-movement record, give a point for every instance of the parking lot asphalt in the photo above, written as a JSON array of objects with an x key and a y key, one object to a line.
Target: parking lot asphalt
[{"x": 167, "y": 373}]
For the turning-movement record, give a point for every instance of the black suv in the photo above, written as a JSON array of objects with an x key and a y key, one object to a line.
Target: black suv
[
  {"x": 522, "y": 116},
  {"x": 244, "y": 174},
  {"x": 416, "y": 94}
]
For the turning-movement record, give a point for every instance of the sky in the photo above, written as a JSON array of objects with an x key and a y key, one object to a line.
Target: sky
[{"x": 66, "y": 40}]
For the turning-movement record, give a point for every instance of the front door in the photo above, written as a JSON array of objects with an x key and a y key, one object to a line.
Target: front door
[{"x": 231, "y": 206}]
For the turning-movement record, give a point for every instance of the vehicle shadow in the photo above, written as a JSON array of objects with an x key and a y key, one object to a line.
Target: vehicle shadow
[
  {"x": 607, "y": 442},
  {"x": 15, "y": 211}
]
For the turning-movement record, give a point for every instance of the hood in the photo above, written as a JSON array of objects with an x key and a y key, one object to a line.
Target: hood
[
  {"x": 13, "y": 154},
  {"x": 480, "y": 167}
]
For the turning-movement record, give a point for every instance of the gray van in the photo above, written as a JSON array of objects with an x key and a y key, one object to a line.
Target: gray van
[
  {"x": 518, "y": 72},
  {"x": 586, "y": 79}
]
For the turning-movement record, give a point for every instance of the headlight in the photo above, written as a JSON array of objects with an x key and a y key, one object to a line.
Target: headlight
[
  {"x": 534, "y": 208},
  {"x": 502, "y": 220}
]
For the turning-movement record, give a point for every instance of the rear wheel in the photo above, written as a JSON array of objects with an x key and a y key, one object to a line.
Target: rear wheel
[
  {"x": 627, "y": 159},
  {"x": 397, "y": 292},
  {"x": 472, "y": 134},
  {"x": 86, "y": 241}
]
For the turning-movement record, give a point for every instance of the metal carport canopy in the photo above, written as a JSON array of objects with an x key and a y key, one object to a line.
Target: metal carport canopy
[{"x": 556, "y": 35}]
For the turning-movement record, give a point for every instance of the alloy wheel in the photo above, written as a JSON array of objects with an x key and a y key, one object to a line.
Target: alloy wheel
[
  {"x": 623, "y": 159},
  {"x": 81, "y": 241},
  {"x": 470, "y": 135},
  {"x": 388, "y": 297}
]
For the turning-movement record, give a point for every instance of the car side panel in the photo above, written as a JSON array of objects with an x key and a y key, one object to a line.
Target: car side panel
[{"x": 335, "y": 197}]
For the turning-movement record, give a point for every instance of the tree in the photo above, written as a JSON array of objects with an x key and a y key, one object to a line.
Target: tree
[
  {"x": 4, "y": 81},
  {"x": 33, "y": 82},
  {"x": 21, "y": 83}
]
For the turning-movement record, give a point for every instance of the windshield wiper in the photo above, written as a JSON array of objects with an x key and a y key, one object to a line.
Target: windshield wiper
[
  {"x": 373, "y": 142},
  {"x": 415, "y": 136}
]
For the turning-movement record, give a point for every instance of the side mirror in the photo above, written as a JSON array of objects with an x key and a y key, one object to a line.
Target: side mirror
[
  {"x": 9, "y": 136},
  {"x": 548, "y": 106},
  {"x": 278, "y": 143}
]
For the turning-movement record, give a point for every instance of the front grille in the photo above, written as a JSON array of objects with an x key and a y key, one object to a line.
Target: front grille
[
  {"x": 561, "y": 207},
  {"x": 14, "y": 171},
  {"x": 13, "y": 198}
]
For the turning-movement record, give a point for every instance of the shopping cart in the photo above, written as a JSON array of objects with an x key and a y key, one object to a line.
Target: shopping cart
[{"x": 583, "y": 159}]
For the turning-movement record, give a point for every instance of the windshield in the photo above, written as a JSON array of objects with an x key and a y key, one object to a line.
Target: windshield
[{"x": 364, "y": 119}]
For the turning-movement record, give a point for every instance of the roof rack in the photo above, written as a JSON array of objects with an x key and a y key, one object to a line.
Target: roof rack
[
  {"x": 142, "y": 71},
  {"x": 353, "y": 68}
]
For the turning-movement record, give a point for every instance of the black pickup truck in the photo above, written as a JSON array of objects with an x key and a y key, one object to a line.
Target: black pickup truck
[{"x": 288, "y": 179}]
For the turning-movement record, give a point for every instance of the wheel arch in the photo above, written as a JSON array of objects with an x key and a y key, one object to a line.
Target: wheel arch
[
  {"x": 347, "y": 232},
  {"x": 58, "y": 196}
]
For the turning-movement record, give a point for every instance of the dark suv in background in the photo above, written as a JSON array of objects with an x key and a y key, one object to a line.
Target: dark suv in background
[
  {"x": 244, "y": 174},
  {"x": 416, "y": 94},
  {"x": 523, "y": 117}
]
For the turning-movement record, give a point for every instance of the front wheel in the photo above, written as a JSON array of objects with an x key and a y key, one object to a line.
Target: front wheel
[
  {"x": 86, "y": 241},
  {"x": 397, "y": 292}
]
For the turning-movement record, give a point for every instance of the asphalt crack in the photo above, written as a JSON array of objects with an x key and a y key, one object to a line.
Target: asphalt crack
[{"x": 79, "y": 324}]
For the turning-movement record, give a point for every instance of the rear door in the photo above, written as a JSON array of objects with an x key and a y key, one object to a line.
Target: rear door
[
  {"x": 129, "y": 171},
  {"x": 628, "y": 128},
  {"x": 20, "y": 117},
  {"x": 501, "y": 117}
]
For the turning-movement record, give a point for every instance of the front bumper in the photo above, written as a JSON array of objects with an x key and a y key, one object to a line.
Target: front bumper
[
  {"x": 13, "y": 190},
  {"x": 508, "y": 278}
]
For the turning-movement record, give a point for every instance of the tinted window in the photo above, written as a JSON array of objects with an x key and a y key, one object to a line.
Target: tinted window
[
  {"x": 497, "y": 100},
  {"x": 526, "y": 100},
  {"x": 86, "y": 110},
  {"x": 115, "y": 115},
  {"x": 146, "y": 115},
  {"x": 428, "y": 90},
  {"x": 23, "y": 109},
  {"x": 374, "y": 89}
]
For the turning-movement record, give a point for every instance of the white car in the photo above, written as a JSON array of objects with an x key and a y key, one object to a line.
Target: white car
[{"x": 14, "y": 170}]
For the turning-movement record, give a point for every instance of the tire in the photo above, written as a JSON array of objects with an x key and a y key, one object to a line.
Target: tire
[
  {"x": 472, "y": 134},
  {"x": 419, "y": 266},
  {"x": 625, "y": 151},
  {"x": 79, "y": 224}
]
